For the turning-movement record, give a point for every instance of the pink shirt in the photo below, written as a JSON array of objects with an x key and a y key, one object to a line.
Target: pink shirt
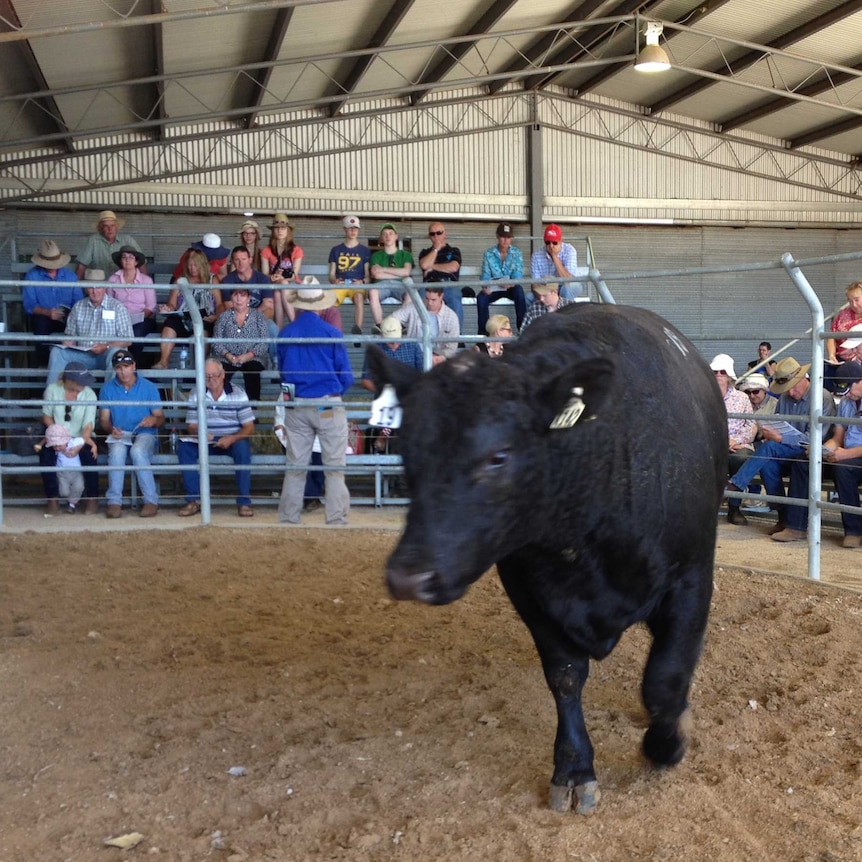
[{"x": 136, "y": 299}]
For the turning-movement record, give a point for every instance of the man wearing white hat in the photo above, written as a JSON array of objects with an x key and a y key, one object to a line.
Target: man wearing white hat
[
  {"x": 349, "y": 265},
  {"x": 47, "y": 307},
  {"x": 314, "y": 377},
  {"x": 100, "y": 248}
]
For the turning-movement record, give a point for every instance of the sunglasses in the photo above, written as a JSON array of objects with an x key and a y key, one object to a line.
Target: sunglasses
[
  {"x": 68, "y": 416},
  {"x": 782, "y": 380},
  {"x": 551, "y": 243},
  {"x": 126, "y": 360},
  {"x": 755, "y": 391},
  {"x": 436, "y": 232}
]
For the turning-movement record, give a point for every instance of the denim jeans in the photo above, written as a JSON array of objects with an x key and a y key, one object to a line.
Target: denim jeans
[
  {"x": 187, "y": 453},
  {"x": 768, "y": 460},
  {"x": 141, "y": 454},
  {"x": 484, "y": 300}
]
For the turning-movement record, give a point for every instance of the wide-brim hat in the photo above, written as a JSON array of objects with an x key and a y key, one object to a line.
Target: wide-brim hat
[
  {"x": 311, "y": 298},
  {"x": 787, "y": 374},
  {"x": 723, "y": 362},
  {"x": 249, "y": 224},
  {"x": 211, "y": 246},
  {"x": 140, "y": 260},
  {"x": 57, "y": 434},
  {"x": 49, "y": 256},
  {"x": 280, "y": 220},
  {"x": 753, "y": 381},
  {"x": 108, "y": 215}
]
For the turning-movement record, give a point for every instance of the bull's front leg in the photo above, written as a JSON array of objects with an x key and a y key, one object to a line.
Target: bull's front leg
[{"x": 574, "y": 782}]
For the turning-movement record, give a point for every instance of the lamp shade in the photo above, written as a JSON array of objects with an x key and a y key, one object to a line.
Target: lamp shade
[{"x": 652, "y": 59}]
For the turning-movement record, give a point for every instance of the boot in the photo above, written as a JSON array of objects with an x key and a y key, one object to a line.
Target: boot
[
  {"x": 735, "y": 517},
  {"x": 780, "y": 525}
]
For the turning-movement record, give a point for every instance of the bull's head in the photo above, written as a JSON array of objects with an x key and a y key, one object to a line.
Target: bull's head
[{"x": 485, "y": 461}]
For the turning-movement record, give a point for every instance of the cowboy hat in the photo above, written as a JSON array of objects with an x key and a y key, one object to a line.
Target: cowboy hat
[
  {"x": 787, "y": 374},
  {"x": 140, "y": 260},
  {"x": 49, "y": 256},
  {"x": 311, "y": 298},
  {"x": 108, "y": 215},
  {"x": 280, "y": 220}
]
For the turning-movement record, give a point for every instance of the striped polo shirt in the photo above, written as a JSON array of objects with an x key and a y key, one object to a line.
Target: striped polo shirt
[{"x": 224, "y": 416}]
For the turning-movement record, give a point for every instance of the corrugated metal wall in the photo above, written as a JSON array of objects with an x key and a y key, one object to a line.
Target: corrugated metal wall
[{"x": 728, "y": 312}]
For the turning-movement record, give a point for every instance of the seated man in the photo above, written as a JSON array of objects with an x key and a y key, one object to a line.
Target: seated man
[
  {"x": 390, "y": 271},
  {"x": 740, "y": 432},
  {"x": 503, "y": 263},
  {"x": 784, "y": 441},
  {"x": 230, "y": 425},
  {"x": 133, "y": 432},
  {"x": 97, "y": 326},
  {"x": 444, "y": 323},
  {"x": 845, "y": 452},
  {"x": 46, "y": 307},
  {"x": 547, "y": 300}
]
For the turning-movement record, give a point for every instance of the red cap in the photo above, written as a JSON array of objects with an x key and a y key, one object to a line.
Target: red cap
[{"x": 553, "y": 233}]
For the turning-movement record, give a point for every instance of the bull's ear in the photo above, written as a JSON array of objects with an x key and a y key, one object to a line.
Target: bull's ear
[
  {"x": 575, "y": 393},
  {"x": 382, "y": 370}
]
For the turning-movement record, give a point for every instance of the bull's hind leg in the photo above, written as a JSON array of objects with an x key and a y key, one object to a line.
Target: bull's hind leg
[{"x": 677, "y": 627}]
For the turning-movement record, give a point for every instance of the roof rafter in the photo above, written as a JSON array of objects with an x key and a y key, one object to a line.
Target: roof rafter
[
  {"x": 690, "y": 19},
  {"x": 749, "y": 58},
  {"x": 486, "y": 21},
  {"x": 384, "y": 33},
  {"x": 159, "y": 56},
  {"x": 261, "y": 77}
]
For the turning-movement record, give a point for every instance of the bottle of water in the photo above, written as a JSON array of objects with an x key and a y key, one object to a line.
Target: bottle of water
[
  {"x": 174, "y": 441},
  {"x": 184, "y": 357}
]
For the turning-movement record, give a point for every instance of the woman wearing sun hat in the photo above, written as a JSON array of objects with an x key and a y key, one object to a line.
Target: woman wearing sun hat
[
  {"x": 136, "y": 292},
  {"x": 281, "y": 260}
]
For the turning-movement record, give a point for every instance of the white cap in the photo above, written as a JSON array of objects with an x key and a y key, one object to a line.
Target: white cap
[
  {"x": 850, "y": 343},
  {"x": 211, "y": 240},
  {"x": 350, "y": 221}
]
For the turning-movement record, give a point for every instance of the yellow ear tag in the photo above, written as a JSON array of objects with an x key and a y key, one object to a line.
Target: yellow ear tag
[{"x": 570, "y": 414}]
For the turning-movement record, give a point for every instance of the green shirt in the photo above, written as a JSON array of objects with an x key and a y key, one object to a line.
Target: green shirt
[
  {"x": 399, "y": 258},
  {"x": 83, "y": 410}
]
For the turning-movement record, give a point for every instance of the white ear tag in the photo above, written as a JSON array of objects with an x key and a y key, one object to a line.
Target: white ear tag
[
  {"x": 385, "y": 409},
  {"x": 570, "y": 414}
]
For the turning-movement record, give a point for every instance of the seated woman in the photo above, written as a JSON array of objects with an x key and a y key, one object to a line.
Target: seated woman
[
  {"x": 140, "y": 302},
  {"x": 246, "y": 348},
  {"x": 178, "y": 323},
  {"x": 498, "y": 326},
  {"x": 71, "y": 402}
]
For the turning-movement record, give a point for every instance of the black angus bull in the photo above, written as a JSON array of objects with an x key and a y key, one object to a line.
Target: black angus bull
[{"x": 588, "y": 464}]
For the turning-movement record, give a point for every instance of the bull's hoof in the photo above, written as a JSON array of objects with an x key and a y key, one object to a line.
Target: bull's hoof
[
  {"x": 665, "y": 745},
  {"x": 586, "y": 796}
]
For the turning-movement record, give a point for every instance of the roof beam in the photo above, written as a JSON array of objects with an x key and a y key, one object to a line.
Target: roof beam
[
  {"x": 586, "y": 42},
  {"x": 824, "y": 132},
  {"x": 49, "y": 108},
  {"x": 542, "y": 45},
  {"x": 689, "y": 19},
  {"x": 159, "y": 85},
  {"x": 749, "y": 58},
  {"x": 387, "y": 27},
  {"x": 260, "y": 77},
  {"x": 454, "y": 54}
]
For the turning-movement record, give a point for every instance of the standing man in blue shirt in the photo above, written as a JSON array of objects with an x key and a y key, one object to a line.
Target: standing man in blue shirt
[
  {"x": 133, "y": 431},
  {"x": 314, "y": 371},
  {"x": 47, "y": 307}
]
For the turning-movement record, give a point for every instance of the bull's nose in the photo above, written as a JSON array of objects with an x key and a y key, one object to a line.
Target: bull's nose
[{"x": 414, "y": 586}]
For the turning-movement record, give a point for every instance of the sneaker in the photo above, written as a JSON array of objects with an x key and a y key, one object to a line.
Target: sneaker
[
  {"x": 852, "y": 542},
  {"x": 789, "y": 535},
  {"x": 356, "y": 330},
  {"x": 190, "y": 508},
  {"x": 114, "y": 511},
  {"x": 312, "y": 505},
  {"x": 148, "y": 510},
  {"x": 71, "y": 508}
]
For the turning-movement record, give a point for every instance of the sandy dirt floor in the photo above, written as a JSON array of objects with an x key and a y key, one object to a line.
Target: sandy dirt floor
[{"x": 140, "y": 667}]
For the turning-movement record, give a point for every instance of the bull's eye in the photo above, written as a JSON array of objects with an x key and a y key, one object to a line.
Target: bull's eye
[{"x": 498, "y": 459}]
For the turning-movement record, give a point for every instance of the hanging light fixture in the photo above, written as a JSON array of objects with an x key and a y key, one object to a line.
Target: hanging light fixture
[{"x": 653, "y": 58}]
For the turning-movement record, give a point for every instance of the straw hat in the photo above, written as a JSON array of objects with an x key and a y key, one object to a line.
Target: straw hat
[
  {"x": 108, "y": 215},
  {"x": 280, "y": 220},
  {"x": 311, "y": 298},
  {"x": 49, "y": 255},
  {"x": 787, "y": 374}
]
